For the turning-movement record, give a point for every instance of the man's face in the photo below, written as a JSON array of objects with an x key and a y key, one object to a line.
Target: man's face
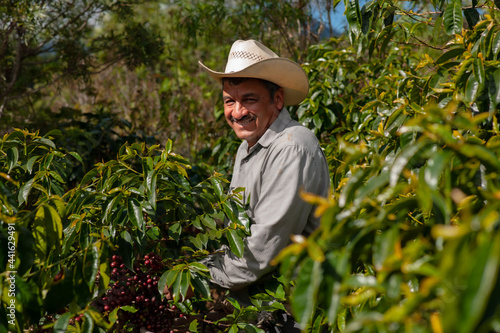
[{"x": 249, "y": 109}]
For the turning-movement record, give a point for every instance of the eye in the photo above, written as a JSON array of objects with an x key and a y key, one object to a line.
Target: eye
[{"x": 229, "y": 102}]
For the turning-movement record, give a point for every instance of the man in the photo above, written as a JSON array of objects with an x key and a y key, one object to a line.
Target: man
[{"x": 277, "y": 159}]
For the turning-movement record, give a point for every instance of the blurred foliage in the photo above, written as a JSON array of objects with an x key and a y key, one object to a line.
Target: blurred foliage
[{"x": 43, "y": 42}]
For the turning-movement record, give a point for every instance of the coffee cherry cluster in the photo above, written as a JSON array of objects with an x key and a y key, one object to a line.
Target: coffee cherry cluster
[{"x": 139, "y": 288}]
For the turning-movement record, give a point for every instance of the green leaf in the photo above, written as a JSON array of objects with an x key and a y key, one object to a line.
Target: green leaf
[
  {"x": 495, "y": 45},
  {"x": 181, "y": 285},
  {"x": 202, "y": 286},
  {"x": 47, "y": 230},
  {"x": 217, "y": 184},
  {"x": 384, "y": 245},
  {"x": 335, "y": 267},
  {"x": 178, "y": 279},
  {"x": 62, "y": 323},
  {"x": 56, "y": 176},
  {"x": 374, "y": 183},
  {"x": 198, "y": 267},
  {"x": 486, "y": 156},
  {"x": 200, "y": 241},
  {"x": 389, "y": 16},
  {"x": 472, "y": 17},
  {"x": 88, "y": 323},
  {"x": 89, "y": 176},
  {"x": 483, "y": 275},
  {"x": 434, "y": 168},
  {"x": 450, "y": 55},
  {"x": 177, "y": 158},
  {"x": 168, "y": 146},
  {"x": 91, "y": 265},
  {"x": 175, "y": 231},
  {"x": 77, "y": 156},
  {"x": 24, "y": 191},
  {"x": 402, "y": 160},
  {"x": 452, "y": 19},
  {"x": 471, "y": 89},
  {"x": 46, "y": 142},
  {"x": 54, "y": 132},
  {"x": 461, "y": 77},
  {"x": 30, "y": 163},
  {"x": 438, "y": 24},
  {"x": 126, "y": 249},
  {"x": 193, "y": 326},
  {"x": 235, "y": 242},
  {"x": 318, "y": 122},
  {"x": 12, "y": 158},
  {"x": 353, "y": 16},
  {"x": 113, "y": 316},
  {"x": 113, "y": 203},
  {"x": 306, "y": 290},
  {"x": 164, "y": 280},
  {"x": 135, "y": 214},
  {"x": 231, "y": 211},
  {"x": 495, "y": 90},
  {"x": 479, "y": 70},
  {"x": 151, "y": 188}
]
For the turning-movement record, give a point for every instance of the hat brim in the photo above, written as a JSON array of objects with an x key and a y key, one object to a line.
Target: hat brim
[{"x": 285, "y": 73}]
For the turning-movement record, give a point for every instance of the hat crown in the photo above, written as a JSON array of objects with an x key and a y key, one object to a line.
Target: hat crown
[
  {"x": 245, "y": 53},
  {"x": 251, "y": 59}
]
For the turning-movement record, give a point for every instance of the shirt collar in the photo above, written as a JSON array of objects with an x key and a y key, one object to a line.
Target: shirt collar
[{"x": 274, "y": 130}]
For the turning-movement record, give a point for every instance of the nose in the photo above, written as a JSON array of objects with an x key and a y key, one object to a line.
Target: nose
[{"x": 239, "y": 110}]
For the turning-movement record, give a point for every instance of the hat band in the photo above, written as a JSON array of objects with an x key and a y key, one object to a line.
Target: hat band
[{"x": 245, "y": 55}]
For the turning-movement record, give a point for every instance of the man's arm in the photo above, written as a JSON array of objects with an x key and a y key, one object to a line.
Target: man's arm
[{"x": 278, "y": 213}]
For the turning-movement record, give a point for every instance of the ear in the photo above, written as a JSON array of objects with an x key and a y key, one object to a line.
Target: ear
[{"x": 279, "y": 99}]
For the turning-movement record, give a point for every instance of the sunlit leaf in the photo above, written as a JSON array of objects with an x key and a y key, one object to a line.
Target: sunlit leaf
[
  {"x": 479, "y": 70},
  {"x": 434, "y": 168},
  {"x": 452, "y": 19},
  {"x": 384, "y": 246},
  {"x": 135, "y": 214},
  {"x": 88, "y": 323},
  {"x": 235, "y": 242},
  {"x": 402, "y": 160},
  {"x": 471, "y": 88},
  {"x": 25, "y": 190}
]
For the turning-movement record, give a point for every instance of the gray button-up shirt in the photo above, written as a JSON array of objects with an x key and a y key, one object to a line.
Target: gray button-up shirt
[{"x": 285, "y": 160}]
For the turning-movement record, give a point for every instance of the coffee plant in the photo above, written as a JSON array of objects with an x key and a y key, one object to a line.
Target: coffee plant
[
  {"x": 98, "y": 255},
  {"x": 409, "y": 237}
]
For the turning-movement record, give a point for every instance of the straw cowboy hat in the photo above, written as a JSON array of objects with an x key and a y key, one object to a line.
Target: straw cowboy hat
[{"x": 251, "y": 59}]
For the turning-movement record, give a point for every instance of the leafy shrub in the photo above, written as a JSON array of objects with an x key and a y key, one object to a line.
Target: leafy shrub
[
  {"x": 409, "y": 237},
  {"x": 140, "y": 203}
]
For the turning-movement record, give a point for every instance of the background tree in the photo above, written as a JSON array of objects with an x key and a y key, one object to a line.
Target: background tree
[
  {"x": 43, "y": 42},
  {"x": 123, "y": 70}
]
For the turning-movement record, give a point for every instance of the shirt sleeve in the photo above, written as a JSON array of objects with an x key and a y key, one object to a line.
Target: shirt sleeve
[{"x": 278, "y": 213}]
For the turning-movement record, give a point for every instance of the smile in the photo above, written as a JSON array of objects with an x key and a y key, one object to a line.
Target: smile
[{"x": 245, "y": 120}]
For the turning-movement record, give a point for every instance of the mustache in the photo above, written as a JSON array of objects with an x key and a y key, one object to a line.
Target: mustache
[{"x": 247, "y": 117}]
